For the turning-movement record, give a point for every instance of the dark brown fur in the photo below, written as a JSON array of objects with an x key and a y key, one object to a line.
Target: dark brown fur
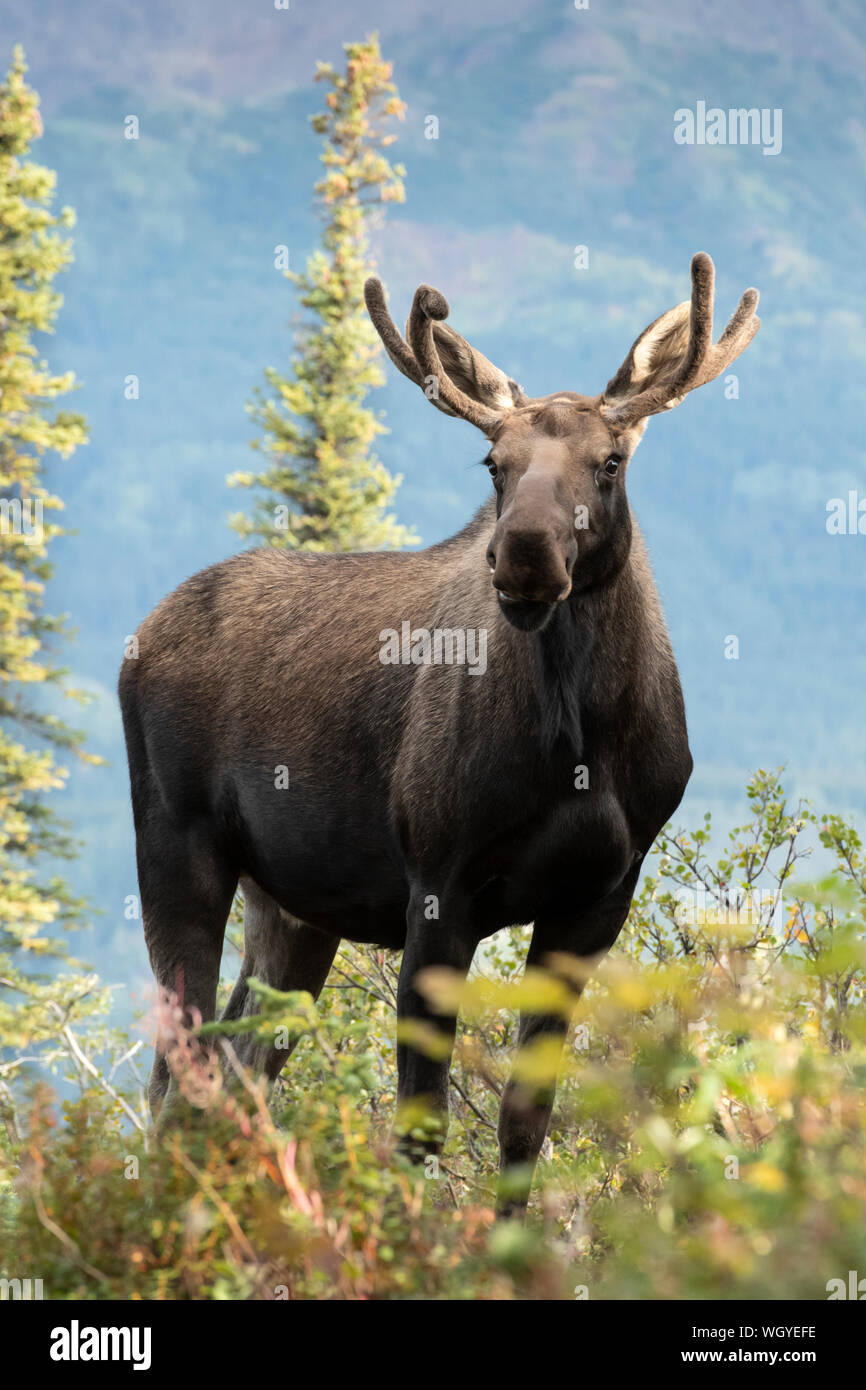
[{"x": 412, "y": 785}]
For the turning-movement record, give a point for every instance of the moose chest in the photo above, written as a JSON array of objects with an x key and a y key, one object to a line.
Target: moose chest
[
  {"x": 512, "y": 833},
  {"x": 565, "y": 855}
]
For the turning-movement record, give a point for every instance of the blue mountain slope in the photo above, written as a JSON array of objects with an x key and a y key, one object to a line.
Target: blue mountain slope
[{"x": 555, "y": 130}]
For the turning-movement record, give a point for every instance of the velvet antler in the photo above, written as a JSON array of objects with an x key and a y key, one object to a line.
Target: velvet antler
[
  {"x": 419, "y": 359},
  {"x": 676, "y": 353}
]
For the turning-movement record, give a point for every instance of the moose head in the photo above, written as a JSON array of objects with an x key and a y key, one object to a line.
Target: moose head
[{"x": 558, "y": 462}]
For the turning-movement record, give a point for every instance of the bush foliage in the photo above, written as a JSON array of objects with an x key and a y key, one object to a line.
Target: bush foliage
[{"x": 709, "y": 1137}]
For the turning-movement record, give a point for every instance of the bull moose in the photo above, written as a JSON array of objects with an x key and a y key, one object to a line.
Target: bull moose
[{"x": 417, "y": 781}]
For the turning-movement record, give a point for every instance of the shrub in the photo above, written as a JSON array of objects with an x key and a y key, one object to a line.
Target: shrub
[{"x": 709, "y": 1137}]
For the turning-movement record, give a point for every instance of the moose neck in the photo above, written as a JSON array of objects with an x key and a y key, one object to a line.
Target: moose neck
[{"x": 572, "y": 652}]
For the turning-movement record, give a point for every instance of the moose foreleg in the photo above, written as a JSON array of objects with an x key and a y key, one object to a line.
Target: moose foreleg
[
  {"x": 525, "y": 1111},
  {"x": 422, "y": 1069},
  {"x": 524, "y": 1116}
]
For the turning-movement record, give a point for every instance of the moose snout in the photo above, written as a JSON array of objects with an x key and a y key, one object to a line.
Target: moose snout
[{"x": 530, "y": 566}]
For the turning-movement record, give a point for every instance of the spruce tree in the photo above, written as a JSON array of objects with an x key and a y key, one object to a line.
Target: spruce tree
[
  {"x": 33, "y": 249},
  {"x": 323, "y": 487}
]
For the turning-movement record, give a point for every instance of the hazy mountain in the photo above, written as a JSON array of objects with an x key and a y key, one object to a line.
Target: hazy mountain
[{"x": 556, "y": 129}]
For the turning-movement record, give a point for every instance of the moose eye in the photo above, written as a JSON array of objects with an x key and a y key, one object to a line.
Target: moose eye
[
  {"x": 491, "y": 468},
  {"x": 611, "y": 468}
]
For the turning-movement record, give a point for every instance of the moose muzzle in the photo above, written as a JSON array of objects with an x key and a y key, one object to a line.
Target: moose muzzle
[
  {"x": 529, "y": 566},
  {"x": 533, "y": 549}
]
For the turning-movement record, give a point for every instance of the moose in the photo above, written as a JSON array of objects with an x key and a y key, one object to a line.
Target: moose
[{"x": 417, "y": 782}]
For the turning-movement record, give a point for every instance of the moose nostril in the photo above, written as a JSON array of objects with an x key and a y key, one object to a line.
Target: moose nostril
[{"x": 491, "y": 559}]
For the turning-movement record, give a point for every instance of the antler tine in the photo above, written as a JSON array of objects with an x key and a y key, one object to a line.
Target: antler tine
[
  {"x": 702, "y": 360},
  {"x": 430, "y": 306},
  {"x": 392, "y": 339},
  {"x": 742, "y": 327},
  {"x": 700, "y": 321}
]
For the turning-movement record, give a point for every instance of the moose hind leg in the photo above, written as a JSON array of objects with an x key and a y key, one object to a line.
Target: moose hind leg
[
  {"x": 186, "y": 894},
  {"x": 284, "y": 953}
]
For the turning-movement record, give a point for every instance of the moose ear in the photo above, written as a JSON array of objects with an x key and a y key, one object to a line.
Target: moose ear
[
  {"x": 653, "y": 356},
  {"x": 473, "y": 374},
  {"x": 676, "y": 354}
]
